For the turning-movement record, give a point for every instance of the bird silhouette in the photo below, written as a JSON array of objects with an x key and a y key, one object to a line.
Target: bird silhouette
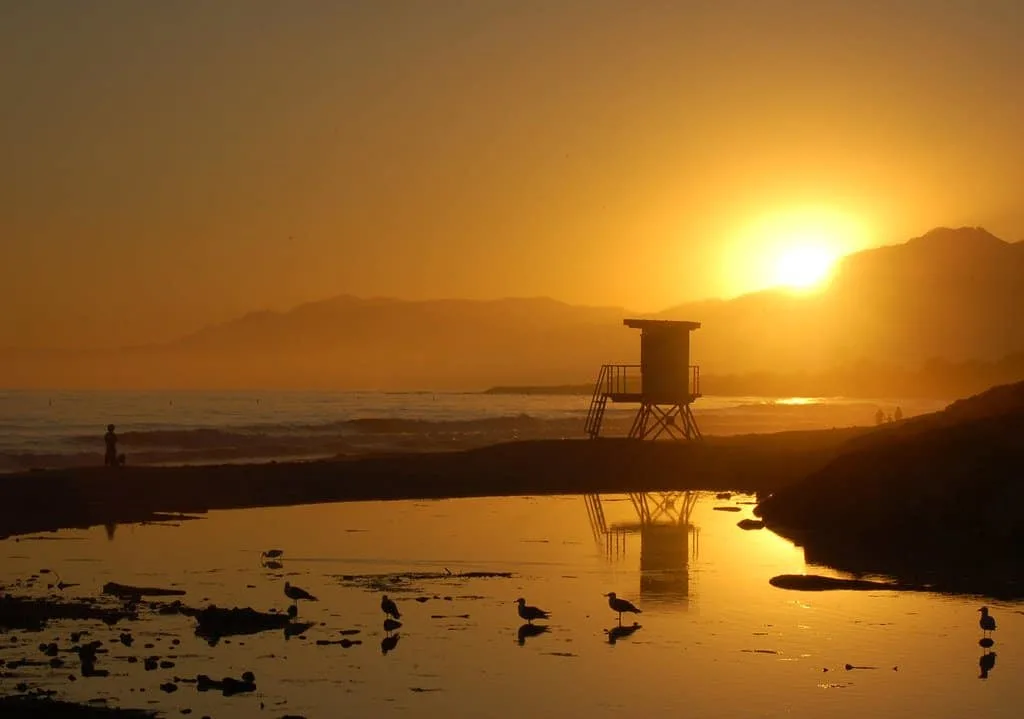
[
  {"x": 389, "y": 642},
  {"x": 391, "y": 625},
  {"x": 296, "y": 593},
  {"x": 986, "y": 663},
  {"x": 620, "y": 632},
  {"x": 530, "y": 613},
  {"x": 272, "y": 554},
  {"x": 530, "y": 630},
  {"x": 389, "y": 608},
  {"x": 620, "y": 605},
  {"x": 987, "y": 621}
]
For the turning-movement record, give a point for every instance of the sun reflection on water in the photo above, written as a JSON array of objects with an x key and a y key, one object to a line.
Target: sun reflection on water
[{"x": 714, "y": 639}]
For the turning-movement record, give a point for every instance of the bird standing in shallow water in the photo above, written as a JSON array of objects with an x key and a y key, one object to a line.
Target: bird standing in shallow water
[
  {"x": 389, "y": 607},
  {"x": 296, "y": 593},
  {"x": 620, "y": 605},
  {"x": 530, "y": 613},
  {"x": 987, "y": 621}
]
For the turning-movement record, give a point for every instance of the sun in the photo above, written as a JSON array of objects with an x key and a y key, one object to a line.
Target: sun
[
  {"x": 797, "y": 249},
  {"x": 804, "y": 267}
]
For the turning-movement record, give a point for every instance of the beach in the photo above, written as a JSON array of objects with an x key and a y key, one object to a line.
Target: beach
[{"x": 54, "y": 499}]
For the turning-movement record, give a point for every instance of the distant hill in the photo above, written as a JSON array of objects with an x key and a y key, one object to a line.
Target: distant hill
[{"x": 952, "y": 294}]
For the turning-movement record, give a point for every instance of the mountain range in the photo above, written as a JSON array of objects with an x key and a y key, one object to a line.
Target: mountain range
[{"x": 954, "y": 294}]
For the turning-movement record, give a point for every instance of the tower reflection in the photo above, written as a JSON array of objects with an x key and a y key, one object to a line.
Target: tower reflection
[{"x": 668, "y": 539}]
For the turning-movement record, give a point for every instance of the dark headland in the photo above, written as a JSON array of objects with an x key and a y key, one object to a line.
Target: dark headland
[{"x": 935, "y": 500}]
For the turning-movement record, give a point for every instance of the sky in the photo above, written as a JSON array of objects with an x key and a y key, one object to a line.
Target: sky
[{"x": 164, "y": 166}]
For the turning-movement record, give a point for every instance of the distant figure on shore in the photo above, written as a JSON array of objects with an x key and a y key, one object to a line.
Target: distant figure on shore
[
  {"x": 899, "y": 414},
  {"x": 879, "y": 416},
  {"x": 110, "y": 439}
]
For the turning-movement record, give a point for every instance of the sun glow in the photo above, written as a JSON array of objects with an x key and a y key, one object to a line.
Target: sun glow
[
  {"x": 797, "y": 249},
  {"x": 802, "y": 267}
]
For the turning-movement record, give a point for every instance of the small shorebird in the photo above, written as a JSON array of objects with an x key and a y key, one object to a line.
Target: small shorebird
[
  {"x": 272, "y": 554},
  {"x": 389, "y": 607},
  {"x": 987, "y": 621},
  {"x": 621, "y": 605},
  {"x": 530, "y": 613},
  {"x": 296, "y": 593}
]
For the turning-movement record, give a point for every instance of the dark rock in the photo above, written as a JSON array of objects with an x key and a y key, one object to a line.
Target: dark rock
[
  {"x": 817, "y": 583},
  {"x": 127, "y": 591},
  {"x": 214, "y": 622}
]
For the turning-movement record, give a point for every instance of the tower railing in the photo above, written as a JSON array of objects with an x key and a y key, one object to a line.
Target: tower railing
[{"x": 623, "y": 382}]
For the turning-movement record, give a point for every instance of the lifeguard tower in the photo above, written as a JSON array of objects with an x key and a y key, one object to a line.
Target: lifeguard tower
[{"x": 664, "y": 384}]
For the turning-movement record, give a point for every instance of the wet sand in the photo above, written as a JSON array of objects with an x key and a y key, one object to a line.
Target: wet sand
[{"x": 77, "y": 498}]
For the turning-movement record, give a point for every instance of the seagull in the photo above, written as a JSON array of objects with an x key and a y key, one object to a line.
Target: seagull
[
  {"x": 987, "y": 621},
  {"x": 389, "y": 607},
  {"x": 296, "y": 593},
  {"x": 530, "y": 613},
  {"x": 620, "y": 605}
]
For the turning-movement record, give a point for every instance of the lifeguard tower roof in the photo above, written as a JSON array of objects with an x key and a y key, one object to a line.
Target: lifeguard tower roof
[{"x": 667, "y": 324}]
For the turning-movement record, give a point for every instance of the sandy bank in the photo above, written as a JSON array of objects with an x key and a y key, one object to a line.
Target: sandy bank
[{"x": 48, "y": 500}]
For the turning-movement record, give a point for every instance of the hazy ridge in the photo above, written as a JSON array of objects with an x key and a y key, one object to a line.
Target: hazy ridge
[{"x": 948, "y": 299}]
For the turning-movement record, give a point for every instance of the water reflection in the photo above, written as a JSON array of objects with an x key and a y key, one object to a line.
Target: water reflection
[
  {"x": 986, "y": 663},
  {"x": 668, "y": 539},
  {"x": 528, "y": 630},
  {"x": 754, "y": 649},
  {"x": 621, "y": 632},
  {"x": 389, "y": 642}
]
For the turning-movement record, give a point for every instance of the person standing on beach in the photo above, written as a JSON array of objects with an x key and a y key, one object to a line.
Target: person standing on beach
[{"x": 110, "y": 439}]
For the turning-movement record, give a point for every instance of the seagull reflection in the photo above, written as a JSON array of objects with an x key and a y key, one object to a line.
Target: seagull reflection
[
  {"x": 620, "y": 632},
  {"x": 530, "y": 630},
  {"x": 296, "y": 628},
  {"x": 389, "y": 642},
  {"x": 986, "y": 663}
]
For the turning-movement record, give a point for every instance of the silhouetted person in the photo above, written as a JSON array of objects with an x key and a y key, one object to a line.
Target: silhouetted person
[
  {"x": 899, "y": 414},
  {"x": 110, "y": 439},
  {"x": 879, "y": 416}
]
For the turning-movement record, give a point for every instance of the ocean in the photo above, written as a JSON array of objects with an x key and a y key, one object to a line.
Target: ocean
[{"x": 65, "y": 428}]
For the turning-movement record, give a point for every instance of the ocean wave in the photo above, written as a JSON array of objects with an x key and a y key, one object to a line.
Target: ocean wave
[
  {"x": 258, "y": 435},
  {"x": 290, "y": 441}
]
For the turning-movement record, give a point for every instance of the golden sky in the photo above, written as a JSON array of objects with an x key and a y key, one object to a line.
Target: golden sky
[{"x": 166, "y": 165}]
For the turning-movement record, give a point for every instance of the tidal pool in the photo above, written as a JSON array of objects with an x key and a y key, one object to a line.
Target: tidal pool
[{"x": 714, "y": 639}]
